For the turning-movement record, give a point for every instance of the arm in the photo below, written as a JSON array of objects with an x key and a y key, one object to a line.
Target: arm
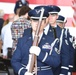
[
  {"x": 16, "y": 6},
  {"x": 65, "y": 56},
  {"x": 17, "y": 59},
  {"x": 72, "y": 50},
  {"x": 7, "y": 42},
  {"x": 52, "y": 58},
  {"x": 70, "y": 40}
]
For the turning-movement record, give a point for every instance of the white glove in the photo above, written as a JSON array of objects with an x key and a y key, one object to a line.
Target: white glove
[
  {"x": 35, "y": 50},
  {"x": 28, "y": 73},
  {"x": 69, "y": 73}
]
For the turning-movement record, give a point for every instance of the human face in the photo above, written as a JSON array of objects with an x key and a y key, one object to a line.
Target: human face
[
  {"x": 60, "y": 24},
  {"x": 35, "y": 23},
  {"x": 52, "y": 18}
]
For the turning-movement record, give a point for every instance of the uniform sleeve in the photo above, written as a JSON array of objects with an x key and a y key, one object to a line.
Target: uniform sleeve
[
  {"x": 72, "y": 51},
  {"x": 52, "y": 58},
  {"x": 3, "y": 38},
  {"x": 16, "y": 6},
  {"x": 27, "y": 31},
  {"x": 65, "y": 56},
  {"x": 16, "y": 60},
  {"x": 14, "y": 30},
  {"x": 6, "y": 44}
]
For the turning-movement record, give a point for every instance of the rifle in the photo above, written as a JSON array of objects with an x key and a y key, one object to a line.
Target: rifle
[{"x": 33, "y": 62}]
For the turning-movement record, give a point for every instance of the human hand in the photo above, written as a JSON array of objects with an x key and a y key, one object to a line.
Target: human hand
[
  {"x": 28, "y": 73},
  {"x": 4, "y": 57},
  {"x": 35, "y": 50}
]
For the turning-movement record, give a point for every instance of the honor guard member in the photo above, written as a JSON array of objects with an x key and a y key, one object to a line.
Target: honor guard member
[
  {"x": 20, "y": 3},
  {"x": 61, "y": 21},
  {"x": 69, "y": 40},
  {"x": 56, "y": 32},
  {"x": 74, "y": 65},
  {"x": 47, "y": 52}
]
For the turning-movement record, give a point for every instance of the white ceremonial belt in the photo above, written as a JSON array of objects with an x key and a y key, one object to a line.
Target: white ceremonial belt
[
  {"x": 65, "y": 67},
  {"x": 43, "y": 68},
  {"x": 71, "y": 66}
]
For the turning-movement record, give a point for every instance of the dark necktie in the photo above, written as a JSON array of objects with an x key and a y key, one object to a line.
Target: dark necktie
[{"x": 54, "y": 32}]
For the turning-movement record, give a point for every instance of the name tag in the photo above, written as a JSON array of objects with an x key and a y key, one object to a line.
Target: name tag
[{"x": 46, "y": 46}]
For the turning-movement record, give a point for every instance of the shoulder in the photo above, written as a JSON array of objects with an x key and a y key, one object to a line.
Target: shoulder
[
  {"x": 4, "y": 30},
  {"x": 15, "y": 22},
  {"x": 27, "y": 21},
  {"x": 1, "y": 20},
  {"x": 58, "y": 27},
  {"x": 27, "y": 31},
  {"x": 50, "y": 28},
  {"x": 5, "y": 27},
  {"x": 23, "y": 40}
]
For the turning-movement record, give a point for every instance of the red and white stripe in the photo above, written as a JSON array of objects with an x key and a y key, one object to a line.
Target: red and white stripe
[{"x": 65, "y": 5}]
